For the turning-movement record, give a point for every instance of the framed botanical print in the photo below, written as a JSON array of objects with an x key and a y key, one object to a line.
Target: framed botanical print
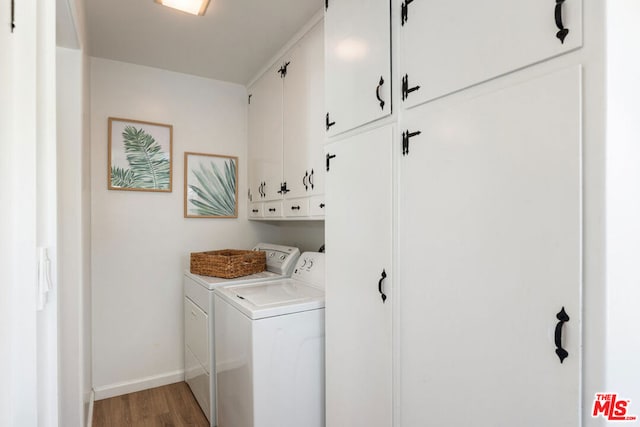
[
  {"x": 140, "y": 155},
  {"x": 210, "y": 186}
]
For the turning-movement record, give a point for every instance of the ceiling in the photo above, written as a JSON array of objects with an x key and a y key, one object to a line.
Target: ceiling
[{"x": 232, "y": 42}]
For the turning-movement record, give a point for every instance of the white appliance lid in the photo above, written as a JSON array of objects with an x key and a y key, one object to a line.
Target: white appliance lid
[{"x": 275, "y": 293}]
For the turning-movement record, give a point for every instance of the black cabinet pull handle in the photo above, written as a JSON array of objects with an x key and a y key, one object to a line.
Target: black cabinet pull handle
[
  {"x": 328, "y": 123},
  {"x": 295, "y": 208},
  {"x": 321, "y": 205},
  {"x": 304, "y": 180},
  {"x": 562, "y": 317},
  {"x": 562, "y": 33},
  {"x": 272, "y": 209},
  {"x": 255, "y": 211},
  {"x": 311, "y": 179},
  {"x": 382, "y": 277},
  {"x": 13, "y": 15},
  {"x": 378, "y": 93}
]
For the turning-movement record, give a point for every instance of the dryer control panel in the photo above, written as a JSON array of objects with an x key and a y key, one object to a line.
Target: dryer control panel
[{"x": 310, "y": 269}]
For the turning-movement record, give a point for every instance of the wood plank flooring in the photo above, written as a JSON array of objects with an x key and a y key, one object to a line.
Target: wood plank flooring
[{"x": 172, "y": 405}]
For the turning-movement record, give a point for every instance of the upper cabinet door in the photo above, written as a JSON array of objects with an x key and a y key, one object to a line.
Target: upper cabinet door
[
  {"x": 358, "y": 63},
  {"x": 450, "y": 45},
  {"x": 265, "y": 136},
  {"x": 303, "y": 112}
]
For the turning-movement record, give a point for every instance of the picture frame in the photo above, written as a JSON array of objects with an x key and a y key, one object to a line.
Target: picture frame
[
  {"x": 210, "y": 186},
  {"x": 140, "y": 155}
]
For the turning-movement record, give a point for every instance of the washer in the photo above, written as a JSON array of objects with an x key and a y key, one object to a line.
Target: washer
[
  {"x": 199, "y": 348},
  {"x": 270, "y": 350}
]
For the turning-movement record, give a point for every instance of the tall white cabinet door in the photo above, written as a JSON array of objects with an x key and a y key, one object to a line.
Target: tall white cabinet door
[
  {"x": 265, "y": 136},
  {"x": 358, "y": 226},
  {"x": 490, "y": 252},
  {"x": 304, "y": 131},
  {"x": 358, "y": 63},
  {"x": 449, "y": 45}
]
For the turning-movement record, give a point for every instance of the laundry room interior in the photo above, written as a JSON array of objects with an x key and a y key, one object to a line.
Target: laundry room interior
[{"x": 310, "y": 213}]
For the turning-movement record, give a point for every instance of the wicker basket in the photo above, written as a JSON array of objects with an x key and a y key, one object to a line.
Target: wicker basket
[{"x": 228, "y": 263}]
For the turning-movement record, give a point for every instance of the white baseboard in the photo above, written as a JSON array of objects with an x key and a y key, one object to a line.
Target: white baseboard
[
  {"x": 118, "y": 389},
  {"x": 92, "y": 398}
]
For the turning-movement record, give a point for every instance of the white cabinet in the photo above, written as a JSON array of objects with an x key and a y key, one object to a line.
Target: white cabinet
[
  {"x": 490, "y": 237},
  {"x": 358, "y": 234},
  {"x": 447, "y": 45},
  {"x": 357, "y": 63},
  {"x": 286, "y": 132},
  {"x": 265, "y": 137},
  {"x": 303, "y": 112}
]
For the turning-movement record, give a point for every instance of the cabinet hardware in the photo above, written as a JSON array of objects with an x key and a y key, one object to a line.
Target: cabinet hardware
[
  {"x": 378, "y": 93},
  {"x": 406, "y": 90},
  {"x": 321, "y": 205},
  {"x": 249, "y": 196},
  {"x": 254, "y": 210},
  {"x": 295, "y": 208},
  {"x": 311, "y": 179},
  {"x": 283, "y": 189},
  {"x": 562, "y": 317},
  {"x": 328, "y": 123},
  {"x": 13, "y": 15},
  {"x": 562, "y": 33},
  {"x": 405, "y": 140},
  {"x": 326, "y": 4},
  {"x": 404, "y": 11},
  {"x": 382, "y": 277},
  {"x": 283, "y": 70},
  {"x": 304, "y": 180},
  {"x": 261, "y": 189},
  {"x": 250, "y": 95},
  {"x": 272, "y": 209},
  {"x": 329, "y": 157}
]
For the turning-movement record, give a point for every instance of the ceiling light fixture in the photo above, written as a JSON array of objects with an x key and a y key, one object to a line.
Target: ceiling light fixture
[{"x": 194, "y": 7}]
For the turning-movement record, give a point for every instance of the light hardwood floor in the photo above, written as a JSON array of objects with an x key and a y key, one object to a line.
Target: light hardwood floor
[{"x": 171, "y": 406}]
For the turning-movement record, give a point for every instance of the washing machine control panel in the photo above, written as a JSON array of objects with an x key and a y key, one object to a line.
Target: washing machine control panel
[
  {"x": 280, "y": 259},
  {"x": 310, "y": 269}
]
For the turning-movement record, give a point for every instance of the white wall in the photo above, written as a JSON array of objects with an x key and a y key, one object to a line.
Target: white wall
[
  {"x": 140, "y": 240},
  {"x": 623, "y": 202},
  {"x": 74, "y": 212}
]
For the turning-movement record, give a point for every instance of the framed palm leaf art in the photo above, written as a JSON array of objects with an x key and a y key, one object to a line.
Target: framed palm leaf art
[
  {"x": 140, "y": 155},
  {"x": 210, "y": 186}
]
